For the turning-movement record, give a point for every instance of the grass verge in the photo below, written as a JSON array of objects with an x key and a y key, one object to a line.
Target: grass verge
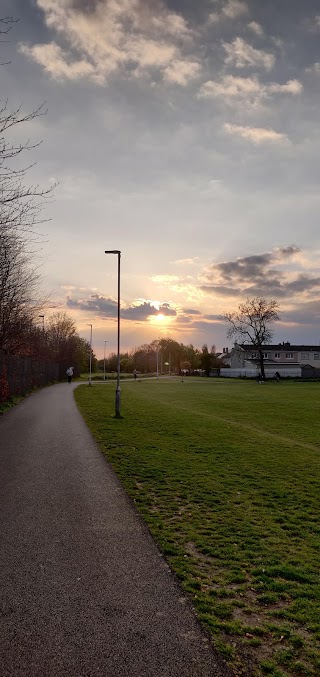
[{"x": 226, "y": 475}]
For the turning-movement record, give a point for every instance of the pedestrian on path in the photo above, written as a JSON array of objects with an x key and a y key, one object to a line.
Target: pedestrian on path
[{"x": 69, "y": 373}]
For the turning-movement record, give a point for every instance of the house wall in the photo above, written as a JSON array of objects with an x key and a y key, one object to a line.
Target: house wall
[
  {"x": 282, "y": 354},
  {"x": 310, "y": 357},
  {"x": 237, "y": 358}
]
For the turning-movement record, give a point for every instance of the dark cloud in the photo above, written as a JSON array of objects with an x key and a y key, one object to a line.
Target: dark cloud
[
  {"x": 303, "y": 283},
  {"x": 258, "y": 275},
  {"x": 247, "y": 268},
  {"x": 288, "y": 251},
  {"x": 166, "y": 310},
  {"x": 145, "y": 310},
  {"x": 109, "y": 308},
  {"x": 304, "y": 314},
  {"x": 95, "y": 304},
  {"x": 86, "y": 6},
  {"x": 212, "y": 318},
  {"x": 250, "y": 268},
  {"x": 141, "y": 312},
  {"x": 204, "y": 325},
  {"x": 191, "y": 311},
  {"x": 184, "y": 319},
  {"x": 220, "y": 290}
]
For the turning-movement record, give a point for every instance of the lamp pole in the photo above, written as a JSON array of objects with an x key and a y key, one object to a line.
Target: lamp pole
[
  {"x": 42, "y": 316},
  {"x": 157, "y": 360},
  {"x": 118, "y": 389},
  {"x": 104, "y": 361},
  {"x": 90, "y": 358}
]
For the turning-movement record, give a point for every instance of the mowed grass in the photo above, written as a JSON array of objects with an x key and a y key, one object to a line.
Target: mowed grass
[{"x": 226, "y": 475}]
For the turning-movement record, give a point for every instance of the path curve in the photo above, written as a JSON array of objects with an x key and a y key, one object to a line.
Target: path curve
[{"x": 84, "y": 591}]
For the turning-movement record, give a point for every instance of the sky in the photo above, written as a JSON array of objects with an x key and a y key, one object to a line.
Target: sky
[{"x": 186, "y": 135}]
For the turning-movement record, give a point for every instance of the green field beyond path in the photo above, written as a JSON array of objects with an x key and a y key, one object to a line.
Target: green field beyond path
[{"x": 227, "y": 476}]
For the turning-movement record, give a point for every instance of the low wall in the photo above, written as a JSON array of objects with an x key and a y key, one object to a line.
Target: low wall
[{"x": 292, "y": 372}]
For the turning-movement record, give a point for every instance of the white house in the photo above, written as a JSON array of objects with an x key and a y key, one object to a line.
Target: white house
[{"x": 287, "y": 359}]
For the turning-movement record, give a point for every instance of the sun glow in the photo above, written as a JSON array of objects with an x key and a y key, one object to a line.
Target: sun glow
[{"x": 160, "y": 317}]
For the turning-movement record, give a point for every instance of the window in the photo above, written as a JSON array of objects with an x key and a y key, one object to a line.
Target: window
[
  {"x": 304, "y": 356},
  {"x": 289, "y": 356},
  {"x": 265, "y": 354},
  {"x": 253, "y": 355},
  {"x": 317, "y": 356},
  {"x": 277, "y": 356}
]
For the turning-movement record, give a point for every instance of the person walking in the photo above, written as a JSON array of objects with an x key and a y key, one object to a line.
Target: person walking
[{"x": 69, "y": 373}]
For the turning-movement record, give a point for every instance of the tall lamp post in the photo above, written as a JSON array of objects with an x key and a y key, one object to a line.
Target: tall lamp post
[
  {"x": 118, "y": 390},
  {"x": 42, "y": 317},
  {"x": 90, "y": 358},
  {"x": 104, "y": 361}
]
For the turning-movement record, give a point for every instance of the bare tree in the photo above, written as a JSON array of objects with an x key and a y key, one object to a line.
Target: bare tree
[
  {"x": 20, "y": 214},
  {"x": 252, "y": 322}
]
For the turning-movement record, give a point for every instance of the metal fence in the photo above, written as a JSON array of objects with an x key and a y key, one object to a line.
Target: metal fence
[{"x": 19, "y": 375}]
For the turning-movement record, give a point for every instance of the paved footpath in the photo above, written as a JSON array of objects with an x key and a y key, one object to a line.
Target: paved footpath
[{"x": 84, "y": 590}]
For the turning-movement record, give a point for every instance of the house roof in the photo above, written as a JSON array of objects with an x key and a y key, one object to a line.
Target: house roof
[{"x": 281, "y": 347}]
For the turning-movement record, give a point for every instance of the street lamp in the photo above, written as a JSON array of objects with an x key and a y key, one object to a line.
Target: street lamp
[
  {"x": 118, "y": 390},
  {"x": 42, "y": 316},
  {"x": 104, "y": 361},
  {"x": 90, "y": 358}
]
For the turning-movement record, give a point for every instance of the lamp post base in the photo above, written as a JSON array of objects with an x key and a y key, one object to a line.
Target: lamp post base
[{"x": 118, "y": 402}]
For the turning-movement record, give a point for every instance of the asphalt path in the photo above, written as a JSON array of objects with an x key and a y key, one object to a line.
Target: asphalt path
[{"x": 84, "y": 590}]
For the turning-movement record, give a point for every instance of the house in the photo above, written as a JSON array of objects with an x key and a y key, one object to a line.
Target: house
[{"x": 287, "y": 359}]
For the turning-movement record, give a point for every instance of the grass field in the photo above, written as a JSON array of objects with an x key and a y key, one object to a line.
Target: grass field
[{"x": 227, "y": 476}]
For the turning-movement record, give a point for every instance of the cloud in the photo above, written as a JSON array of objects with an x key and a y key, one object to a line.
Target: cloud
[
  {"x": 230, "y": 86},
  {"x": 189, "y": 262},
  {"x": 180, "y": 72},
  {"x": 291, "y": 87},
  {"x": 102, "y": 37},
  {"x": 232, "y": 9},
  {"x": 313, "y": 24},
  {"x": 315, "y": 68},
  {"x": 256, "y": 135},
  {"x": 96, "y": 304},
  {"x": 307, "y": 313},
  {"x": 165, "y": 279},
  {"x": 271, "y": 274},
  {"x": 242, "y": 55},
  {"x": 108, "y": 308},
  {"x": 256, "y": 28},
  {"x": 247, "y": 89},
  {"x": 190, "y": 311},
  {"x": 58, "y": 63},
  {"x": 146, "y": 309}
]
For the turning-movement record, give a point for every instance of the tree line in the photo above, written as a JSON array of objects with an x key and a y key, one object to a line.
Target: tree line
[{"x": 165, "y": 356}]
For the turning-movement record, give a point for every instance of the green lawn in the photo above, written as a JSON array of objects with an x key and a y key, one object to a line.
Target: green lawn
[{"x": 226, "y": 475}]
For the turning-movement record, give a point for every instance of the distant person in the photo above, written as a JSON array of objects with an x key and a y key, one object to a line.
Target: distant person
[
  {"x": 277, "y": 376},
  {"x": 259, "y": 378},
  {"x": 135, "y": 374},
  {"x": 69, "y": 373}
]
